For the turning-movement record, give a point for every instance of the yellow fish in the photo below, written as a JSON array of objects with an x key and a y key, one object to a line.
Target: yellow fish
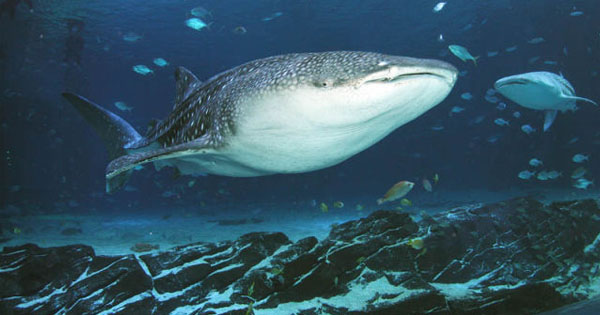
[
  {"x": 324, "y": 207},
  {"x": 251, "y": 289},
  {"x": 436, "y": 178},
  {"x": 405, "y": 202},
  {"x": 338, "y": 204},
  {"x": 16, "y": 230},
  {"x": 397, "y": 191},
  {"x": 276, "y": 271},
  {"x": 416, "y": 243}
]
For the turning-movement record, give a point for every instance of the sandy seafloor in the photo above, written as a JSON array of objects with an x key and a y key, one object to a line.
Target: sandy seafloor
[{"x": 115, "y": 232}]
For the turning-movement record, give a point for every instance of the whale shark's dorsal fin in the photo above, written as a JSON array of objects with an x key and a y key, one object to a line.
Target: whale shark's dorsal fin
[
  {"x": 577, "y": 98},
  {"x": 185, "y": 83}
]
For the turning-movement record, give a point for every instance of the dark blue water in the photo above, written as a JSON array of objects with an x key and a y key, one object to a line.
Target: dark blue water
[{"x": 52, "y": 161}]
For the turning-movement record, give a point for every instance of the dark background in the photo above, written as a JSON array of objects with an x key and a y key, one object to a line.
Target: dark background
[{"x": 52, "y": 159}]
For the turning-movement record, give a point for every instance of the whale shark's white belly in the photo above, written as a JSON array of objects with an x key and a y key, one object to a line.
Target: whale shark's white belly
[{"x": 294, "y": 133}]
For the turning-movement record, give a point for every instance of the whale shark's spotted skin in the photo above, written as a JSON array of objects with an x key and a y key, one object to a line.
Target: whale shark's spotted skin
[
  {"x": 285, "y": 114},
  {"x": 223, "y": 94}
]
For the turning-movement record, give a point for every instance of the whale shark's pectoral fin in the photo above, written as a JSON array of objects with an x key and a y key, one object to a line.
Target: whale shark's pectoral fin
[
  {"x": 549, "y": 117},
  {"x": 120, "y": 168},
  {"x": 577, "y": 98}
]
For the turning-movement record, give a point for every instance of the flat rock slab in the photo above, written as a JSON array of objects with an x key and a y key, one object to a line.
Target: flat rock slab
[{"x": 518, "y": 256}]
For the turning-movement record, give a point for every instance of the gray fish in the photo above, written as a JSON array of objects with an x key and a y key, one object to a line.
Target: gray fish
[{"x": 284, "y": 114}]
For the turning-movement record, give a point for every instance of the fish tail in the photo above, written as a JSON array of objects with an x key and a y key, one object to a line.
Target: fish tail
[
  {"x": 115, "y": 132},
  {"x": 475, "y": 60}
]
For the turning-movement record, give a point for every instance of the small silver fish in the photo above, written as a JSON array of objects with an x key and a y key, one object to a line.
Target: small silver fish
[
  {"x": 456, "y": 109},
  {"x": 438, "y": 7},
  {"x": 123, "y": 106},
  {"x": 536, "y": 40},
  {"x": 554, "y": 174},
  {"x": 532, "y": 60},
  {"x": 526, "y": 174},
  {"x": 196, "y": 23},
  {"x": 492, "y": 99},
  {"x": 467, "y": 96},
  {"x": 272, "y": 17},
  {"x": 583, "y": 183},
  {"x": 142, "y": 69},
  {"x": 493, "y": 138},
  {"x": 160, "y": 62},
  {"x": 478, "y": 119},
  {"x": 462, "y": 53},
  {"x": 535, "y": 162},
  {"x": 200, "y": 12},
  {"x": 543, "y": 175},
  {"x": 131, "y": 37},
  {"x": 580, "y": 158},
  {"x": 527, "y": 129},
  {"x": 501, "y": 122}
]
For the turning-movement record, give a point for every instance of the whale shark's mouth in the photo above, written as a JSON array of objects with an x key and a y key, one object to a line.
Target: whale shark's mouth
[
  {"x": 512, "y": 82},
  {"x": 390, "y": 77},
  {"x": 406, "y": 76}
]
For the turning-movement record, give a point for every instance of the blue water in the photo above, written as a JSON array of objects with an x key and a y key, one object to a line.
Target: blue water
[{"x": 53, "y": 162}]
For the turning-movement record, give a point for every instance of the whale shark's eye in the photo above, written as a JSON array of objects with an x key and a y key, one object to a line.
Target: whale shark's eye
[{"x": 326, "y": 83}]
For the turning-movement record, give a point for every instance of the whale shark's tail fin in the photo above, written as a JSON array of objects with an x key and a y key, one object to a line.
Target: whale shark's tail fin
[{"x": 117, "y": 134}]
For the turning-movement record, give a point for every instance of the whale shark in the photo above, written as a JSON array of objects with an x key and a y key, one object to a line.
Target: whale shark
[
  {"x": 290, "y": 113},
  {"x": 540, "y": 90}
]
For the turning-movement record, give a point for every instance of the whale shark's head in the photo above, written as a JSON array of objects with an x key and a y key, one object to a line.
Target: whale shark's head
[
  {"x": 339, "y": 88},
  {"x": 308, "y": 111}
]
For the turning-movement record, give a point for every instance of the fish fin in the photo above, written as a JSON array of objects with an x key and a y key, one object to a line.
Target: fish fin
[
  {"x": 185, "y": 83},
  {"x": 126, "y": 163},
  {"x": 549, "y": 117},
  {"x": 116, "y": 133},
  {"x": 475, "y": 60},
  {"x": 152, "y": 124},
  {"x": 577, "y": 98},
  {"x": 115, "y": 183}
]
